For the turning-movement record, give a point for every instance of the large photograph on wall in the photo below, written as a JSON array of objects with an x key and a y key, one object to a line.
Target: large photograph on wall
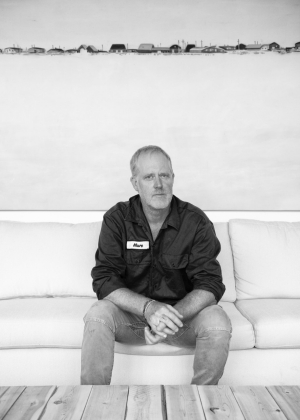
[{"x": 84, "y": 84}]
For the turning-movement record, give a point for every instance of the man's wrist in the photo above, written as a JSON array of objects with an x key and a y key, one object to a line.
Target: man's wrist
[{"x": 146, "y": 306}]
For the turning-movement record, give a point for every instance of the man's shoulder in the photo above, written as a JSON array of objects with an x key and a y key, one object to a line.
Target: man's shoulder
[
  {"x": 118, "y": 210},
  {"x": 122, "y": 209},
  {"x": 188, "y": 209}
]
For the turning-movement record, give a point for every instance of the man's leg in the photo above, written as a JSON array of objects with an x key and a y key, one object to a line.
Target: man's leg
[
  {"x": 213, "y": 333},
  {"x": 105, "y": 323},
  {"x": 210, "y": 330}
]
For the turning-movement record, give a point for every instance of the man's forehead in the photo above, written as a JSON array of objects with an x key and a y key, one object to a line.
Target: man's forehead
[{"x": 152, "y": 159}]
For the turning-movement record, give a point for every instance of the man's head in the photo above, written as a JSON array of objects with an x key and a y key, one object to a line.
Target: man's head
[{"x": 152, "y": 176}]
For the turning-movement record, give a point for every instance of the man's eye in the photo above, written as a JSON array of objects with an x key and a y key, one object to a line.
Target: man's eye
[{"x": 164, "y": 176}]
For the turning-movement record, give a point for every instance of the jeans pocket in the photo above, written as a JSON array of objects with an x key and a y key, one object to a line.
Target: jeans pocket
[
  {"x": 178, "y": 334},
  {"x": 138, "y": 328}
]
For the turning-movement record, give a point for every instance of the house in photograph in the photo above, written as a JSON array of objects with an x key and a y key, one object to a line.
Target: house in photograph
[
  {"x": 240, "y": 47},
  {"x": 228, "y": 47},
  {"x": 12, "y": 50},
  {"x": 297, "y": 46},
  {"x": 0, "y": 51},
  {"x": 162, "y": 50},
  {"x": 257, "y": 47},
  {"x": 274, "y": 46},
  {"x": 188, "y": 47},
  {"x": 91, "y": 49},
  {"x": 55, "y": 51},
  {"x": 36, "y": 50},
  {"x": 145, "y": 48},
  {"x": 82, "y": 49},
  {"x": 117, "y": 48},
  {"x": 71, "y": 51},
  {"x": 213, "y": 49},
  {"x": 175, "y": 48}
]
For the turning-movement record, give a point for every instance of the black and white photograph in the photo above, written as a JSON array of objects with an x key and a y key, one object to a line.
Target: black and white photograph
[{"x": 149, "y": 209}]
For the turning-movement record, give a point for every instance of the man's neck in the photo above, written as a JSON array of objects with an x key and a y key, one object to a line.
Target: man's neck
[{"x": 155, "y": 216}]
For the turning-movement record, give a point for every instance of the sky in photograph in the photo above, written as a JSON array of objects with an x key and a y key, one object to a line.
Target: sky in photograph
[
  {"x": 70, "y": 124},
  {"x": 69, "y": 23}
]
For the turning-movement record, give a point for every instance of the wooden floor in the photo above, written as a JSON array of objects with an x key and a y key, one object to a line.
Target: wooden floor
[{"x": 188, "y": 402}]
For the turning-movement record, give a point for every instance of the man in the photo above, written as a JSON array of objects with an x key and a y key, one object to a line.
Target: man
[{"x": 156, "y": 277}]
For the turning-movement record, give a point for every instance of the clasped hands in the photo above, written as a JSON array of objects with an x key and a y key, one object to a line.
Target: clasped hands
[{"x": 163, "y": 319}]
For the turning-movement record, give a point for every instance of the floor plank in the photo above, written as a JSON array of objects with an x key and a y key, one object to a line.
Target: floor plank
[
  {"x": 106, "y": 402},
  {"x": 9, "y": 398},
  {"x": 146, "y": 403},
  {"x": 31, "y": 403},
  {"x": 288, "y": 399},
  {"x": 256, "y": 403},
  {"x": 67, "y": 403},
  {"x": 3, "y": 389},
  {"x": 183, "y": 402},
  {"x": 218, "y": 402}
]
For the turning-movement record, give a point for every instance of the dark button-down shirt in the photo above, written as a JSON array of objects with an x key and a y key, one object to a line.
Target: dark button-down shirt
[{"x": 182, "y": 257}]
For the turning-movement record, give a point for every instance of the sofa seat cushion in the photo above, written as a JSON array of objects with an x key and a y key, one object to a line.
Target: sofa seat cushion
[
  {"x": 43, "y": 322},
  {"x": 242, "y": 330},
  {"x": 58, "y": 322},
  {"x": 276, "y": 322}
]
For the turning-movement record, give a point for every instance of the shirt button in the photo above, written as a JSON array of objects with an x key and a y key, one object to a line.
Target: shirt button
[{"x": 137, "y": 261}]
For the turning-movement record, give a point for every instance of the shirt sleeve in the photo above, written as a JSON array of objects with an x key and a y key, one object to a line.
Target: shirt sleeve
[
  {"x": 203, "y": 270},
  {"x": 109, "y": 273}
]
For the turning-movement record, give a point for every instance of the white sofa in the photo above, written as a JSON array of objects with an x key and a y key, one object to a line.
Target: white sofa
[{"x": 46, "y": 289}]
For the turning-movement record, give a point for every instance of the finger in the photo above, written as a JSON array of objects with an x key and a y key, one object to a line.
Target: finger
[
  {"x": 163, "y": 328},
  {"x": 150, "y": 338},
  {"x": 172, "y": 317},
  {"x": 170, "y": 324},
  {"x": 166, "y": 316},
  {"x": 172, "y": 309},
  {"x": 168, "y": 331},
  {"x": 160, "y": 333}
]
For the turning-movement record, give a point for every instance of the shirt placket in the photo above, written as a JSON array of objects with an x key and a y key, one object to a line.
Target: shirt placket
[{"x": 147, "y": 231}]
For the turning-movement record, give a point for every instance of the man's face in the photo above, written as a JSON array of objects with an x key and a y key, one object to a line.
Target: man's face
[{"x": 154, "y": 180}]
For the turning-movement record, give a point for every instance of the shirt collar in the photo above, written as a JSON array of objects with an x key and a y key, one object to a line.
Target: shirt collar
[{"x": 136, "y": 214}]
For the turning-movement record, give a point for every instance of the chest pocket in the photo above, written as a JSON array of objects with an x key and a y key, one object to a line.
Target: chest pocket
[
  {"x": 134, "y": 257},
  {"x": 174, "y": 262}
]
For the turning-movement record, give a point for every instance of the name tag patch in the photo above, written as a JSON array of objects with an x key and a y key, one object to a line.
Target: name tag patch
[{"x": 137, "y": 245}]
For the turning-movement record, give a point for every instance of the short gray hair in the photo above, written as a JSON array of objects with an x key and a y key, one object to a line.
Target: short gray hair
[{"x": 146, "y": 149}]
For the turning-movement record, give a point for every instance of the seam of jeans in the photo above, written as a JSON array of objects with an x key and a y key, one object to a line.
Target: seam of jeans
[
  {"x": 101, "y": 321},
  {"x": 217, "y": 329}
]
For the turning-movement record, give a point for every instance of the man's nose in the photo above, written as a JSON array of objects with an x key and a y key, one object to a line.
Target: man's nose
[{"x": 157, "y": 183}]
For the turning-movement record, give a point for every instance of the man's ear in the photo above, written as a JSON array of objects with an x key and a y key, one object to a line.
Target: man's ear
[{"x": 133, "y": 180}]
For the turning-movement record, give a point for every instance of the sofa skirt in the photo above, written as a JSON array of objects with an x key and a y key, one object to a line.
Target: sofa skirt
[{"x": 58, "y": 366}]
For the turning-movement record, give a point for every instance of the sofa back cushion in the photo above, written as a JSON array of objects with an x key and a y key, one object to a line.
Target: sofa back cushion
[
  {"x": 55, "y": 259},
  {"x": 266, "y": 258},
  {"x": 47, "y": 259},
  {"x": 226, "y": 261}
]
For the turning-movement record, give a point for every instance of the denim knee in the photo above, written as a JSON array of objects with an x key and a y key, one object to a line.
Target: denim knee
[
  {"x": 102, "y": 311},
  {"x": 212, "y": 318}
]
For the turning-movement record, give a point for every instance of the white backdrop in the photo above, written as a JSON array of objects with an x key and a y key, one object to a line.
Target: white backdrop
[{"x": 69, "y": 126}]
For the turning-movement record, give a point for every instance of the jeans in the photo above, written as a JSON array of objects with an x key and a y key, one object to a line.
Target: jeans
[{"x": 209, "y": 332}]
